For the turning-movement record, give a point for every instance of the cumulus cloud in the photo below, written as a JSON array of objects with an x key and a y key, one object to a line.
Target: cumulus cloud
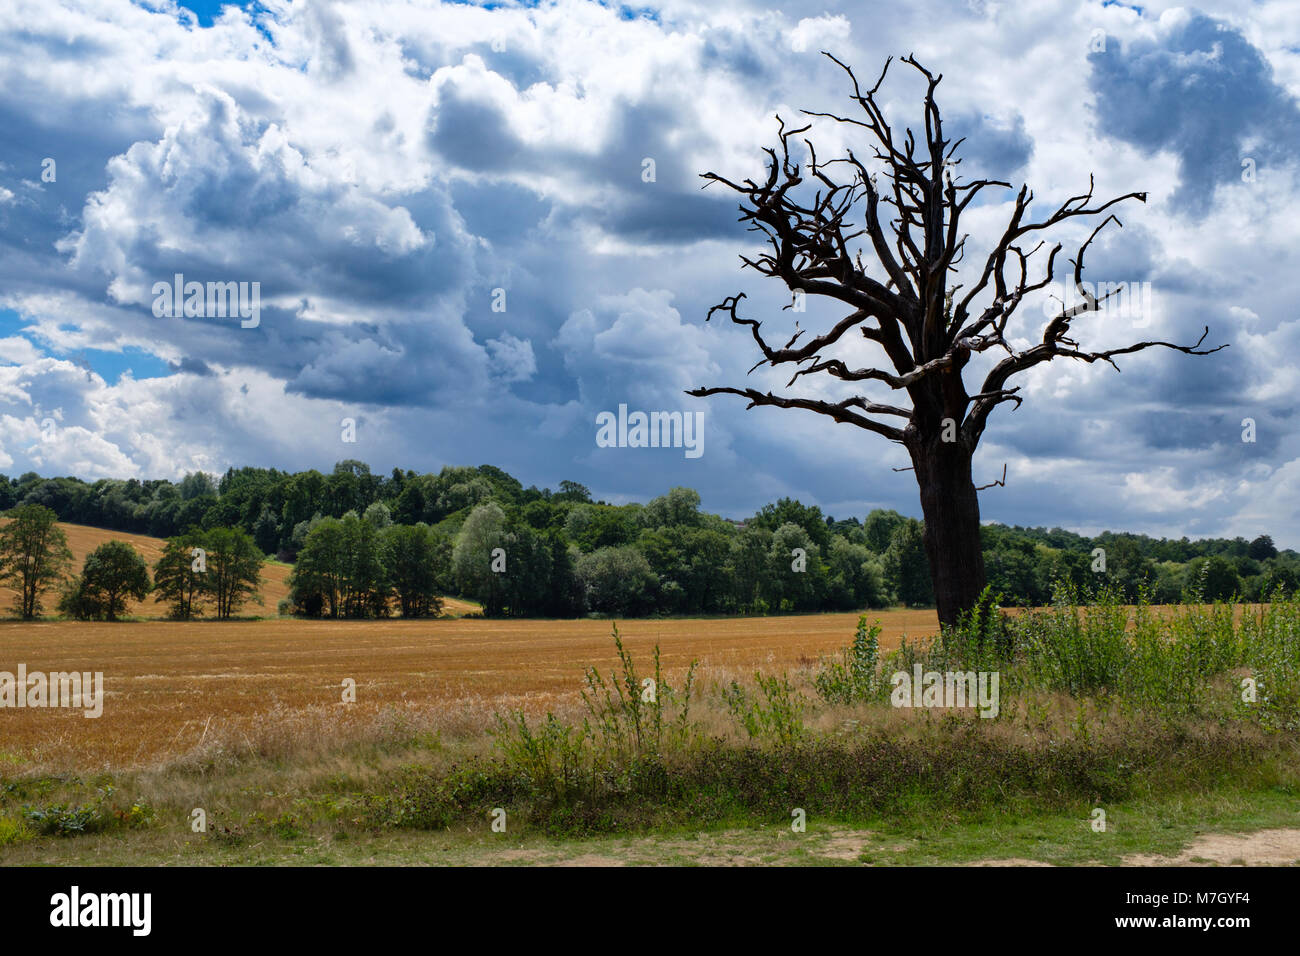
[
  {"x": 1199, "y": 89},
  {"x": 380, "y": 168},
  {"x": 513, "y": 358}
]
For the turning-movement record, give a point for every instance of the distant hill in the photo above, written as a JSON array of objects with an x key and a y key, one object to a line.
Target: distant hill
[
  {"x": 83, "y": 540},
  {"x": 274, "y": 576}
]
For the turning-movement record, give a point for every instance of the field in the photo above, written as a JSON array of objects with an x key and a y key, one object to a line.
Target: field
[
  {"x": 248, "y": 720},
  {"x": 167, "y": 682},
  {"x": 173, "y": 685}
]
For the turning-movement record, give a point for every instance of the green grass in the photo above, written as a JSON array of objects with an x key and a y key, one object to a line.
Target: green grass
[{"x": 1161, "y": 827}]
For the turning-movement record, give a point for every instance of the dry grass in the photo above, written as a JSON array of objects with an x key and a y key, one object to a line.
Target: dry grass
[{"x": 274, "y": 685}]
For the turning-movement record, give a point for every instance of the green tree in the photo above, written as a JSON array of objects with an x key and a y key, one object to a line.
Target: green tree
[
  {"x": 34, "y": 555},
  {"x": 1075, "y": 569},
  {"x": 179, "y": 575},
  {"x": 566, "y": 596},
  {"x": 591, "y": 527},
  {"x": 78, "y": 603},
  {"x": 1214, "y": 577},
  {"x": 378, "y": 515},
  {"x": 906, "y": 565},
  {"x": 197, "y": 484},
  {"x": 790, "y": 511},
  {"x": 618, "y": 581},
  {"x": 692, "y": 565},
  {"x": 572, "y": 491},
  {"x": 365, "y": 591},
  {"x": 317, "y": 582},
  {"x": 472, "y": 558},
  {"x": 415, "y": 561},
  {"x": 751, "y": 569},
  {"x": 681, "y": 506},
  {"x": 1126, "y": 568},
  {"x": 1262, "y": 548},
  {"x": 1280, "y": 574},
  {"x": 857, "y": 577},
  {"x": 797, "y": 576},
  {"x": 113, "y": 572},
  {"x": 879, "y": 528},
  {"x": 527, "y": 576},
  {"x": 266, "y": 530},
  {"x": 234, "y": 569}
]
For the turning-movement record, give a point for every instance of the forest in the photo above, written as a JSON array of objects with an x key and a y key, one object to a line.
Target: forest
[{"x": 366, "y": 544}]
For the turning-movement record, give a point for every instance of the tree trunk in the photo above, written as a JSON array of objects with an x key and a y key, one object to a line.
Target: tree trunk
[{"x": 951, "y": 508}]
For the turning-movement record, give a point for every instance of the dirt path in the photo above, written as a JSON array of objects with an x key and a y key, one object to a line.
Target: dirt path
[
  {"x": 1265, "y": 848},
  {"x": 839, "y": 845},
  {"x": 1279, "y": 847}
]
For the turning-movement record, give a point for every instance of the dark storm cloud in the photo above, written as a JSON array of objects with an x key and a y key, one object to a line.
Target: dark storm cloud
[
  {"x": 80, "y": 138},
  {"x": 192, "y": 366},
  {"x": 473, "y": 133},
  {"x": 729, "y": 51},
  {"x": 1204, "y": 93},
  {"x": 993, "y": 149},
  {"x": 502, "y": 212},
  {"x": 379, "y": 225}
]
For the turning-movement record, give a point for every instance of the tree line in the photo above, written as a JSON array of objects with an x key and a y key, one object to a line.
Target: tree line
[
  {"x": 213, "y": 570},
  {"x": 369, "y": 545}
]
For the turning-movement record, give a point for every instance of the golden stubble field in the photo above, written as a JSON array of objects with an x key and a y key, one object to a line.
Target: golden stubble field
[{"x": 172, "y": 687}]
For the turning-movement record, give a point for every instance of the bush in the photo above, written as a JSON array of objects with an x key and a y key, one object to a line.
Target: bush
[
  {"x": 78, "y": 602},
  {"x": 776, "y": 717},
  {"x": 855, "y": 676},
  {"x": 99, "y": 816}
]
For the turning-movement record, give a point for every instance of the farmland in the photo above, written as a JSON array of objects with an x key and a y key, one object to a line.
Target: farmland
[
  {"x": 172, "y": 685},
  {"x": 165, "y": 680},
  {"x": 254, "y": 721}
]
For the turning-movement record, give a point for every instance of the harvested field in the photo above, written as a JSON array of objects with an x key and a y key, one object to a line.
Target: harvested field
[{"x": 172, "y": 685}]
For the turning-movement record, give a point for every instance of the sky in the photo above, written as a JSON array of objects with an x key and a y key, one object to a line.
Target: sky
[{"x": 459, "y": 248}]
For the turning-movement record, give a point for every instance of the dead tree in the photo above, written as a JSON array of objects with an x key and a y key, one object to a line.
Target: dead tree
[{"x": 906, "y": 211}]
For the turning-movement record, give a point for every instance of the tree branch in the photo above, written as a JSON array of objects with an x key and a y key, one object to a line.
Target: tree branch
[{"x": 839, "y": 411}]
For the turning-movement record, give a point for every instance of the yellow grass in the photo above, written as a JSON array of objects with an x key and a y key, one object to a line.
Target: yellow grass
[{"x": 173, "y": 686}]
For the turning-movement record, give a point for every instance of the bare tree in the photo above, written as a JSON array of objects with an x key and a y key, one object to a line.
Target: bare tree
[{"x": 908, "y": 209}]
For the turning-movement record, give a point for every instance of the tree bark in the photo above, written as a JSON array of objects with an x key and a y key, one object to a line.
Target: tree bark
[{"x": 951, "y": 509}]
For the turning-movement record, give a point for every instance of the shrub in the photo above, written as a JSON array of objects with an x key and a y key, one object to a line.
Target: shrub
[{"x": 855, "y": 677}]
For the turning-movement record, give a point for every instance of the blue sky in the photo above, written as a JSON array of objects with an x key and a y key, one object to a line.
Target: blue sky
[
  {"x": 445, "y": 210},
  {"x": 208, "y": 10}
]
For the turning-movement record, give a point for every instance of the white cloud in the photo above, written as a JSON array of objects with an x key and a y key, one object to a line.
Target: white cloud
[
  {"x": 16, "y": 350},
  {"x": 513, "y": 358}
]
